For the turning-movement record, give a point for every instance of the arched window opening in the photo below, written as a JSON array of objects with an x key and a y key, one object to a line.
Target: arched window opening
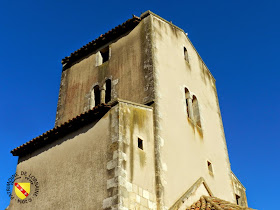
[
  {"x": 108, "y": 91},
  {"x": 186, "y": 56},
  {"x": 187, "y": 95},
  {"x": 96, "y": 95},
  {"x": 189, "y": 106},
  {"x": 196, "y": 113}
]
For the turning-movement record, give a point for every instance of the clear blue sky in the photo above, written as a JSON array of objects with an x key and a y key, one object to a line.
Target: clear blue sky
[{"x": 238, "y": 40}]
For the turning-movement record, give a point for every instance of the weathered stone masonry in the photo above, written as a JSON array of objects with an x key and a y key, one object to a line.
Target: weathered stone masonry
[{"x": 123, "y": 192}]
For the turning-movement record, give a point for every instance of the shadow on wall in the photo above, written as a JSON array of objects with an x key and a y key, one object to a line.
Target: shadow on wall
[{"x": 58, "y": 141}]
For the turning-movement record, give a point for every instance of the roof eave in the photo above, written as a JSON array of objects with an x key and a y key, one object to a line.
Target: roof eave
[
  {"x": 102, "y": 40},
  {"x": 62, "y": 130}
]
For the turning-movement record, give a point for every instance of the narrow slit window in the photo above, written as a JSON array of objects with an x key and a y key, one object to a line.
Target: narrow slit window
[
  {"x": 237, "y": 199},
  {"x": 210, "y": 168},
  {"x": 108, "y": 91},
  {"x": 105, "y": 54},
  {"x": 140, "y": 143},
  {"x": 188, "y": 101},
  {"x": 96, "y": 95},
  {"x": 186, "y": 56}
]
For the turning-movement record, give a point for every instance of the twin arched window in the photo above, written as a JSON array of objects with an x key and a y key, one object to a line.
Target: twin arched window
[
  {"x": 192, "y": 107},
  {"x": 101, "y": 95}
]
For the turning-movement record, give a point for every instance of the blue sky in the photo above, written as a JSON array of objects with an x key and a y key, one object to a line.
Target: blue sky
[{"x": 238, "y": 40}]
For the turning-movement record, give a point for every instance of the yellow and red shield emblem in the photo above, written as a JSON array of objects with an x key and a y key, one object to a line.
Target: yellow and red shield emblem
[{"x": 22, "y": 190}]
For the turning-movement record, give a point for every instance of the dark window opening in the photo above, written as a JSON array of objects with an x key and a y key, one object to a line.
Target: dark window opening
[
  {"x": 187, "y": 95},
  {"x": 237, "y": 199},
  {"x": 150, "y": 103},
  {"x": 186, "y": 56},
  {"x": 96, "y": 95},
  {"x": 187, "y": 108},
  {"x": 105, "y": 54},
  {"x": 108, "y": 91},
  {"x": 210, "y": 168},
  {"x": 140, "y": 143}
]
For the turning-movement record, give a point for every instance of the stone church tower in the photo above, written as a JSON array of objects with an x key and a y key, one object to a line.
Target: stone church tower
[{"x": 138, "y": 126}]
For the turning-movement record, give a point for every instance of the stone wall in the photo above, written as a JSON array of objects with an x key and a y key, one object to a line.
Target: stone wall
[
  {"x": 71, "y": 171},
  {"x": 184, "y": 148},
  {"x": 239, "y": 191},
  {"x": 132, "y": 184},
  {"x": 128, "y": 67}
]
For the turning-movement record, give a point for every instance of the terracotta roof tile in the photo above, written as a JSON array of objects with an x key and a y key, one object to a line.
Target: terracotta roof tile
[
  {"x": 61, "y": 130},
  {"x": 213, "y": 203},
  {"x": 101, "y": 41}
]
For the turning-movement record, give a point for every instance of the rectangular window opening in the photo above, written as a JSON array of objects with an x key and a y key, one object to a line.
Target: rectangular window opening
[
  {"x": 105, "y": 54},
  {"x": 96, "y": 95},
  {"x": 108, "y": 91},
  {"x": 140, "y": 143}
]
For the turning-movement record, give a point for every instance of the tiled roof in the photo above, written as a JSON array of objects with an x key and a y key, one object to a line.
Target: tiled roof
[
  {"x": 101, "y": 40},
  {"x": 62, "y": 130},
  {"x": 213, "y": 203}
]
